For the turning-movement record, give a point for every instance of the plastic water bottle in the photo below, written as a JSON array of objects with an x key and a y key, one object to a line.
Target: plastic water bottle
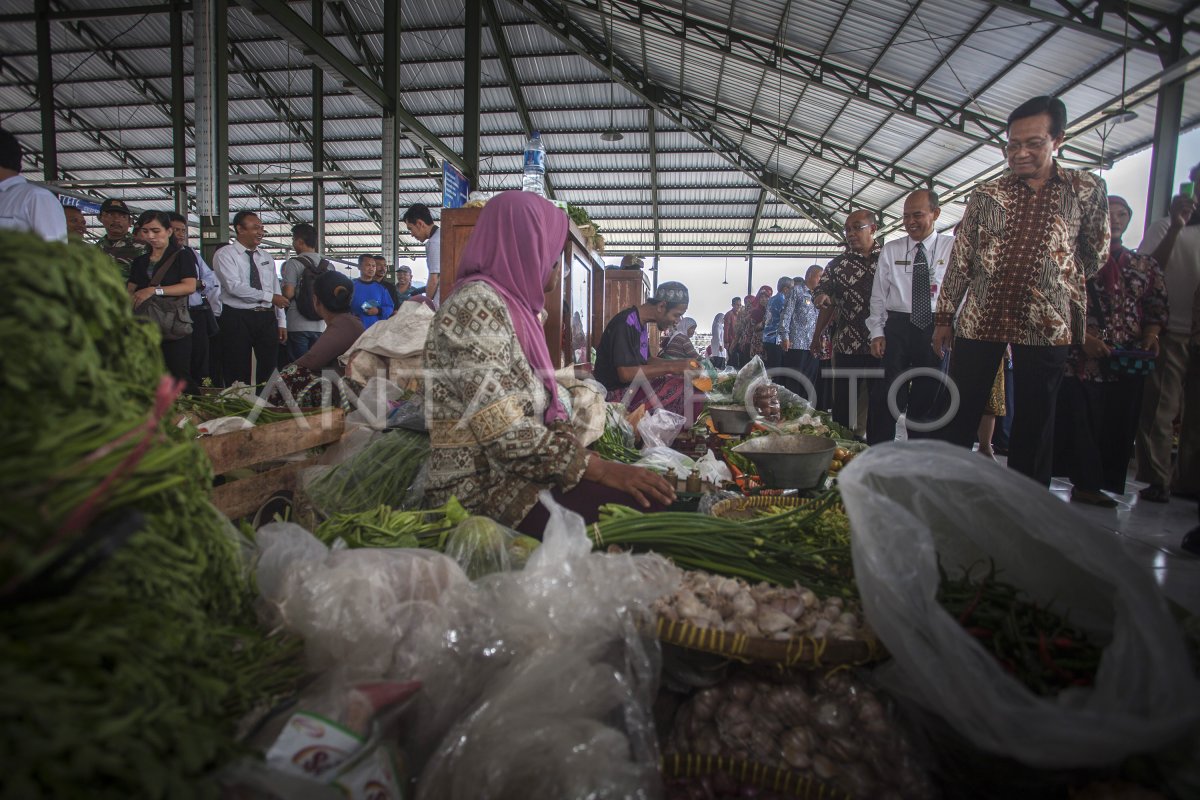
[{"x": 534, "y": 179}]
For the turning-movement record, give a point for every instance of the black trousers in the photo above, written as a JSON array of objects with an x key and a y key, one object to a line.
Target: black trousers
[
  {"x": 802, "y": 362},
  {"x": 242, "y": 332},
  {"x": 925, "y": 399},
  {"x": 201, "y": 339},
  {"x": 178, "y": 358},
  {"x": 1037, "y": 375},
  {"x": 880, "y": 426},
  {"x": 772, "y": 355},
  {"x": 718, "y": 362},
  {"x": 1094, "y": 429},
  {"x": 824, "y": 385}
]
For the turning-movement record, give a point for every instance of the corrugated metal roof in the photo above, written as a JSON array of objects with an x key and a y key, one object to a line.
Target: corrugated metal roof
[{"x": 731, "y": 89}]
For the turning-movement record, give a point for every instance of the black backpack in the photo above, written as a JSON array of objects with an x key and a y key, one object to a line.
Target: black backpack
[{"x": 304, "y": 289}]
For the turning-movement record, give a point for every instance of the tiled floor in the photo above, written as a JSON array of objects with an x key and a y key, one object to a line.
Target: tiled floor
[{"x": 1150, "y": 533}]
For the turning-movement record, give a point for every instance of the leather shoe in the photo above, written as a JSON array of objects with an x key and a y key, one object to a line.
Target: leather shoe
[{"x": 1155, "y": 494}]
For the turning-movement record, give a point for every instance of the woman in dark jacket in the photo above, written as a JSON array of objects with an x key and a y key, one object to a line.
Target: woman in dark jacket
[{"x": 178, "y": 281}]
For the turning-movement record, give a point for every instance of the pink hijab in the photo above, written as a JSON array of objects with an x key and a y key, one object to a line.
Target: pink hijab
[{"x": 514, "y": 248}]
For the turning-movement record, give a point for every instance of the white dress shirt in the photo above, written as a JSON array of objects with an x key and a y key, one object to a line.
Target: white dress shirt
[
  {"x": 25, "y": 207},
  {"x": 433, "y": 260},
  {"x": 232, "y": 266},
  {"x": 893, "y": 277}
]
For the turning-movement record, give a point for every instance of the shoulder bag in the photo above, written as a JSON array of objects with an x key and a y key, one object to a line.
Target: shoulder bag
[{"x": 170, "y": 314}]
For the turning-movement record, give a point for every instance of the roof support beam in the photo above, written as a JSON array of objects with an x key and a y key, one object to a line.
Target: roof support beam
[
  {"x": 75, "y": 14},
  {"x": 45, "y": 83},
  {"x": 510, "y": 75},
  {"x": 318, "y": 131},
  {"x": 357, "y": 40},
  {"x": 472, "y": 89},
  {"x": 210, "y": 39},
  {"x": 279, "y": 17},
  {"x": 758, "y": 212},
  {"x": 389, "y": 189},
  {"x": 557, "y": 20},
  {"x": 797, "y": 65},
  {"x": 1078, "y": 20},
  {"x": 178, "y": 110},
  {"x": 652, "y": 131}
]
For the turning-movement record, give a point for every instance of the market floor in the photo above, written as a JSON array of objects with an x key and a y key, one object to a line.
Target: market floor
[{"x": 1150, "y": 534}]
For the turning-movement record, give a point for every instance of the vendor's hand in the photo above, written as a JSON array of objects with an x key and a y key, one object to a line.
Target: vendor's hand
[
  {"x": 1094, "y": 347},
  {"x": 372, "y": 312},
  {"x": 142, "y": 295},
  {"x": 1150, "y": 344},
  {"x": 815, "y": 346},
  {"x": 943, "y": 340},
  {"x": 1181, "y": 210},
  {"x": 283, "y": 335},
  {"x": 878, "y": 346},
  {"x": 822, "y": 301},
  {"x": 279, "y": 301},
  {"x": 645, "y": 486}
]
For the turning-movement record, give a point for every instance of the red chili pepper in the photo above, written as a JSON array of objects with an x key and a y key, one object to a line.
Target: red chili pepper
[
  {"x": 980, "y": 633},
  {"x": 1065, "y": 643}
]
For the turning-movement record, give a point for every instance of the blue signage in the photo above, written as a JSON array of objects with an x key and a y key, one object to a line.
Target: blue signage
[
  {"x": 455, "y": 188},
  {"x": 86, "y": 206}
]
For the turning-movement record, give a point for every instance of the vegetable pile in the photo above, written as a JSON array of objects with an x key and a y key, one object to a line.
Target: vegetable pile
[
  {"x": 807, "y": 546},
  {"x": 831, "y": 727},
  {"x": 127, "y": 641},
  {"x": 1034, "y": 644},
  {"x": 769, "y": 612},
  {"x": 382, "y": 473}
]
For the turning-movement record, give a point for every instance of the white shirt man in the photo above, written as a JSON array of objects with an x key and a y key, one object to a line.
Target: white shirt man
[{"x": 910, "y": 269}]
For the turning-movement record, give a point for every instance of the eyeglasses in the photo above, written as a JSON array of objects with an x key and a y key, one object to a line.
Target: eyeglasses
[
  {"x": 1032, "y": 146},
  {"x": 853, "y": 229}
]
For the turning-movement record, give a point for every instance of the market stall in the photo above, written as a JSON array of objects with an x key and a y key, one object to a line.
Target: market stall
[{"x": 812, "y": 619}]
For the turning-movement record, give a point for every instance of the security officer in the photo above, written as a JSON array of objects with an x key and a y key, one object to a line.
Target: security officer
[{"x": 118, "y": 241}]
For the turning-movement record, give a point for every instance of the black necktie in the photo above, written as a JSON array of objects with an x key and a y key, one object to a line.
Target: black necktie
[
  {"x": 922, "y": 311},
  {"x": 256, "y": 282}
]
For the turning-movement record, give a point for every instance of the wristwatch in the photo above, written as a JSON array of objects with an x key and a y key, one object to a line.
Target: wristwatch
[{"x": 158, "y": 291}]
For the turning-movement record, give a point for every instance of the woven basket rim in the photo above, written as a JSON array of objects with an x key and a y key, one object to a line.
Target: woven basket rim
[{"x": 775, "y": 779}]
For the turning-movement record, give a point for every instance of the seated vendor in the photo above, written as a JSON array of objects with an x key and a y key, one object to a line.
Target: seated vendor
[
  {"x": 497, "y": 429},
  {"x": 332, "y": 295},
  {"x": 626, "y": 368},
  {"x": 679, "y": 343}
]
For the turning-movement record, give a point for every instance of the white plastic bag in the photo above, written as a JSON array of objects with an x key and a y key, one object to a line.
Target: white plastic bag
[
  {"x": 658, "y": 428},
  {"x": 670, "y": 462},
  {"x": 910, "y": 503},
  {"x": 713, "y": 469}
]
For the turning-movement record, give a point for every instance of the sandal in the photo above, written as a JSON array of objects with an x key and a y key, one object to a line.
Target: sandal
[
  {"x": 1092, "y": 498},
  {"x": 1155, "y": 494}
]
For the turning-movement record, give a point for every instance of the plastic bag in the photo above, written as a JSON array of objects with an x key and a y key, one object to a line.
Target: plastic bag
[
  {"x": 713, "y": 469},
  {"x": 542, "y": 683},
  {"x": 910, "y": 503},
  {"x": 659, "y": 428},
  {"x": 482, "y": 546},
  {"x": 408, "y": 414},
  {"x": 750, "y": 375},
  {"x": 617, "y": 418},
  {"x": 670, "y": 462},
  {"x": 354, "y": 608}
]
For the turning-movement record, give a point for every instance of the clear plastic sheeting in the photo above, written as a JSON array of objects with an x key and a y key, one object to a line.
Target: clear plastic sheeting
[
  {"x": 542, "y": 683},
  {"x": 659, "y": 428},
  {"x": 909, "y": 504},
  {"x": 356, "y": 609}
]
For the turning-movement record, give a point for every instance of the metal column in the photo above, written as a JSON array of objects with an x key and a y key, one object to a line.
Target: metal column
[
  {"x": 389, "y": 210},
  {"x": 750, "y": 274},
  {"x": 318, "y": 132},
  {"x": 1167, "y": 119},
  {"x": 45, "y": 82},
  {"x": 210, "y": 47},
  {"x": 472, "y": 88},
  {"x": 178, "y": 107}
]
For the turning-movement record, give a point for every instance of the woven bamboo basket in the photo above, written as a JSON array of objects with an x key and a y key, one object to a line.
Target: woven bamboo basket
[
  {"x": 744, "y": 508},
  {"x": 780, "y": 781}
]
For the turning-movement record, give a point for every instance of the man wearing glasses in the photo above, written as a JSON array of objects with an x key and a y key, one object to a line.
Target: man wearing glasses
[
  {"x": 844, "y": 294},
  {"x": 1027, "y": 243}
]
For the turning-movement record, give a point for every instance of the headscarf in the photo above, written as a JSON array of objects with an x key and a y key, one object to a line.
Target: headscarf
[
  {"x": 717, "y": 338},
  {"x": 759, "y": 312},
  {"x": 1109, "y": 275},
  {"x": 514, "y": 249},
  {"x": 683, "y": 325}
]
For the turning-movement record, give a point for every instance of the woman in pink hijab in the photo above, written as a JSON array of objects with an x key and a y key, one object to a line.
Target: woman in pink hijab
[{"x": 497, "y": 428}]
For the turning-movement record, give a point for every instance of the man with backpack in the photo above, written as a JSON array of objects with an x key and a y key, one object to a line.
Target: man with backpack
[{"x": 304, "y": 324}]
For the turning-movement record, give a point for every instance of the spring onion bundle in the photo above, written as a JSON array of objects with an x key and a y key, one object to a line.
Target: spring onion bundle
[
  {"x": 379, "y": 474},
  {"x": 128, "y": 649}
]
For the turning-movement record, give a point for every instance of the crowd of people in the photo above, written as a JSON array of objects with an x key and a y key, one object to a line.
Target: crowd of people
[{"x": 1030, "y": 329}]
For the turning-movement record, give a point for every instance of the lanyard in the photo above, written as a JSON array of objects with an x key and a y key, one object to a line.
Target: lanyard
[{"x": 910, "y": 253}]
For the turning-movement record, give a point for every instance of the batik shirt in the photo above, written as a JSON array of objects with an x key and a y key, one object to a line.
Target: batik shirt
[
  {"x": 1119, "y": 313},
  {"x": 848, "y": 281},
  {"x": 489, "y": 445},
  {"x": 799, "y": 320},
  {"x": 1021, "y": 259}
]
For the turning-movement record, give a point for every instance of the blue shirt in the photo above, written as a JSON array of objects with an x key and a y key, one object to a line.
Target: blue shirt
[
  {"x": 774, "y": 311},
  {"x": 799, "y": 320},
  {"x": 373, "y": 294}
]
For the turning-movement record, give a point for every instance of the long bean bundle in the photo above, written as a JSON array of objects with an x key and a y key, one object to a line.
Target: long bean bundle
[
  {"x": 127, "y": 641},
  {"x": 380, "y": 474},
  {"x": 205, "y": 407},
  {"x": 799, "y": 546}
]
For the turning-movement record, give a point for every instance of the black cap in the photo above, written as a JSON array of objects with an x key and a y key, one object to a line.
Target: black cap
[{"x": 113, "y": 204}]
